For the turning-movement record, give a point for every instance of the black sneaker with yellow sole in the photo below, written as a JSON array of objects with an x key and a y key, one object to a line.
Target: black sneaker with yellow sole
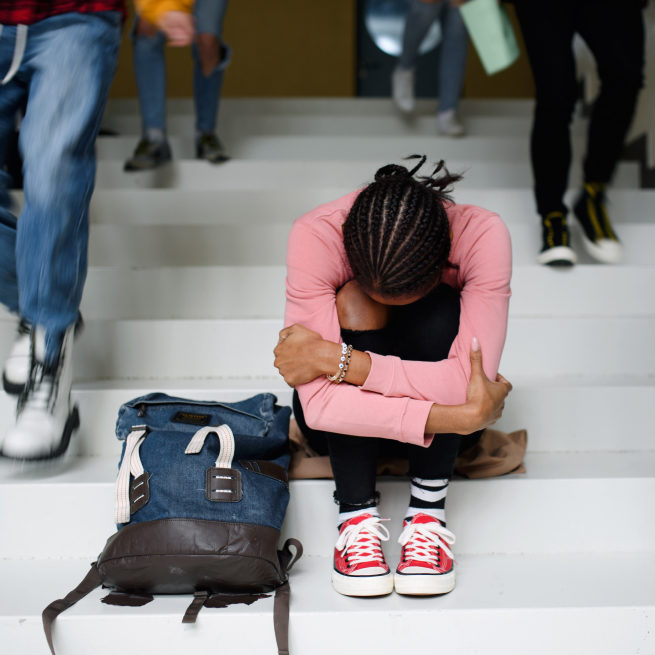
[
  {"x": 556, "y": 249},
  {"x": 598, "y": 236}
]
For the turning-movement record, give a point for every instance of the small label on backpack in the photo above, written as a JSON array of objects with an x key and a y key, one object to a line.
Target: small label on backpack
[{"x": 192, "y": 419}]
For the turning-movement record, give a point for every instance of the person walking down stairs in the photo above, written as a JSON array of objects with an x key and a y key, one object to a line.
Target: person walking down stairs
[
  {"x": 452, "y": 64},
  {"x": 58, "y": 60},
  {"x": 388, "y": 290},
  {"x": 210, "y": 56},
  {"x": 614, "y": 32}
]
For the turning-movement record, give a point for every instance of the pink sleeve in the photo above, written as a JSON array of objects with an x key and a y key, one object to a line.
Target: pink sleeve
[
  {"x": 315, "y": 270},
  {"x": 485, "y": 259}
]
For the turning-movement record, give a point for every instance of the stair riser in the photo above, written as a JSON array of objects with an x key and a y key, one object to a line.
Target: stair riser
[
  {"x": 257, "y": 206},
  {"x": 224, "y": 292},
  {"x": 603, "y": 631},
  {"x": 594, "y": 419},
  {"x": 582, "y": 349},
  {"x": 501, "y": 515},
  {"x": 266, "y": 245}
]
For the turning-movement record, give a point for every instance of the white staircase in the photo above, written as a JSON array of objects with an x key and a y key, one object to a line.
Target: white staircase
[{"x": 185, "y": 294}]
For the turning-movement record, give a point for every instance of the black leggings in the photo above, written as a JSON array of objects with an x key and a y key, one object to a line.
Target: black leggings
[
  {"x": 422, "y": 331},
  {"x": 614, "y": 32}
]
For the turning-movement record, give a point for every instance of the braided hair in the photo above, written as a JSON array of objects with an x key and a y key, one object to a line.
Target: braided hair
[{"x": 397, "y": 235}]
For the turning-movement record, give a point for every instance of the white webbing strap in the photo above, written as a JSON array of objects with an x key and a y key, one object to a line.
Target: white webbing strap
[
  {"x": 226, "y": 439},
  {"x": 19, "y": 51},
  {"x": 131, "y": 464}
]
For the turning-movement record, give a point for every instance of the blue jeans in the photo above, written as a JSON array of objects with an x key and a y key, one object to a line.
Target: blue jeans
[
  {"x": 454, "y": 46},
  {"x": 64, "y": 78},
  {"x": 150, "y": 72}
]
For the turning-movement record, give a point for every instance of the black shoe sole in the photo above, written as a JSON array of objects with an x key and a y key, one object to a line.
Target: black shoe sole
[
  {"x": 12, "y": 388},
  {"x": 72, "y": 424},
  {"x": 129, "y": 168}
]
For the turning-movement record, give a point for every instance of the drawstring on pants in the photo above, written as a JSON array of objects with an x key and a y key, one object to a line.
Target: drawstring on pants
[{"x": 19, "y": 52}]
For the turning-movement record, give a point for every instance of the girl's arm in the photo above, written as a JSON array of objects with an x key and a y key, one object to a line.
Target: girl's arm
[{"x": 314, "y": 273}]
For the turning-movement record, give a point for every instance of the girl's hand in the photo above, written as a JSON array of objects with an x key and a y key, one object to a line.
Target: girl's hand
[
  {"x": 300, "y": 355},
  {"x": 485, "y": 399}
]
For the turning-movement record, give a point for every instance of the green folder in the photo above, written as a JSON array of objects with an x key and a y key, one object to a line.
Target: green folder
[{"x": 491, "y": 31}]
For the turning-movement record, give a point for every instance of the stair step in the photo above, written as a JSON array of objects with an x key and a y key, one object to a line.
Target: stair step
[
  {"x": 498, "y": 600},
  {"x": 146, "y": 246},
  {"x": 353, "y": 147},
  {"x": 589, "y": 416},
  {"x": 587, "y": 490},
  {"x": 290, "y": 175},
  {"x": 254, "y": 207},
  {"x": 578, "y": 348},
  {"x": 245, "y": 292}
]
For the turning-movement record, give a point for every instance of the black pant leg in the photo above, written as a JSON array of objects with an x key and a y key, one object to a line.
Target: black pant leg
[
  {"x": 353, "y": 459},
  {"x": 614, "y": 33},
  {"x": 548, "y": 32},
  {"x": 422, "y": 331},
  {"x": 425, "y": 331}
]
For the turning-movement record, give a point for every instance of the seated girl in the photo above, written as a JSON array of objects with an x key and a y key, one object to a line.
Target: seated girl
[{"x": 393, "y": 293}]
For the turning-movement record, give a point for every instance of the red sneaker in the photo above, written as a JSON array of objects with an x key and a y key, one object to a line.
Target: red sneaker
[
  {"x": 426, "y": 561},
  {"x": 359, "y": 565}
]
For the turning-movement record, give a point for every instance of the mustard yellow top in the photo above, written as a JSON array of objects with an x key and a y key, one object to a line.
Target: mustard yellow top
[{"x": 152, "y": 10}]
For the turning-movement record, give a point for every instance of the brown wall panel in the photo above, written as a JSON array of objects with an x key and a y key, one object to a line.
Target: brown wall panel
[
  {"x": 301, "y": 48},
  {"x": 287, "y": 48}
]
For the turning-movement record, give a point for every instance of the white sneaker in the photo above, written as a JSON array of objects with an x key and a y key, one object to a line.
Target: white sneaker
[
  {"x": 402, "y": 89},
  {"x": 449, "y": 124},
  {"x": 17, "y": 366},
  {"x": 45, "y": 419}
]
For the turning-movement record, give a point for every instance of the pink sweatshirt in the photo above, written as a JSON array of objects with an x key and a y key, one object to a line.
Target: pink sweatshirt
[{"x": 396, "y": 398}]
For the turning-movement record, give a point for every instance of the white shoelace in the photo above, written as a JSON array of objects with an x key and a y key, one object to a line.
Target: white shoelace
[
  {"x": 362, "y": 540},
  {"x": 422, "y": 541}
]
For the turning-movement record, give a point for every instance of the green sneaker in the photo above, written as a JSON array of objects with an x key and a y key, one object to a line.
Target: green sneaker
[
  {"x": 148, "y": 154},
  {"x": 209, "y": 147},
  {"x": 598, "y": 236}
]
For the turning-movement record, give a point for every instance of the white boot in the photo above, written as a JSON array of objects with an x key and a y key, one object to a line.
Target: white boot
[
  {"x": 402, "y": 87},
  {"x": 45, "y": 418},
  {"x": 449, "y": 124},
  {"x": 17, "y": 366}
]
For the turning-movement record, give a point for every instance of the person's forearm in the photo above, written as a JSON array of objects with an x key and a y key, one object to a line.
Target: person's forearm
[
  {"x": 358, "y": 369},
  {"x": 446, "y": 419}
]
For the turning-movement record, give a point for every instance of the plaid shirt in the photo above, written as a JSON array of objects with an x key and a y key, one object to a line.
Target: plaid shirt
[{"x": 26, "y": 12}]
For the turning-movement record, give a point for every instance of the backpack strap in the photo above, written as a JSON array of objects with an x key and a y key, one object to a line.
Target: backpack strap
[
  {"x": 198, "y": 602},
  {"x": 50, "y": 613},
  {"x": 130, "y": 466},
  {"x": 282, "y": 595}
]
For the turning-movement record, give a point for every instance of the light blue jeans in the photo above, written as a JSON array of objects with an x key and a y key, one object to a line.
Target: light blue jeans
[
  {"x": 150, "y": 72},
  {"x": 454, "y": 46},
  {"x": 64, "y": 77}
]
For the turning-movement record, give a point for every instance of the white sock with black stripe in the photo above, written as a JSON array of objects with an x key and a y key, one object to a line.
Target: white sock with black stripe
[
  {"x": 346, "y": 516},
  {"x": 428, "y": 497}
]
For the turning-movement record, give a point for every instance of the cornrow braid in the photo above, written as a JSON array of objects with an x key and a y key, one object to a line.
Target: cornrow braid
[{"x": 397, "y": 235}]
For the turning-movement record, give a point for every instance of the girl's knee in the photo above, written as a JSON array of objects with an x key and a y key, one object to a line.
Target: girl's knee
[{"x": 357, "y": 311}]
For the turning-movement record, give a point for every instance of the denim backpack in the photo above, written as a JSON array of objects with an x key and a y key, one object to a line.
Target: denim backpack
[{"x": 201, "y": 494}]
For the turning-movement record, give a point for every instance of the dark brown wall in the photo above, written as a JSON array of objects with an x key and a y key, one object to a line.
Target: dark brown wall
[{"x": 308, "y": 48}]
